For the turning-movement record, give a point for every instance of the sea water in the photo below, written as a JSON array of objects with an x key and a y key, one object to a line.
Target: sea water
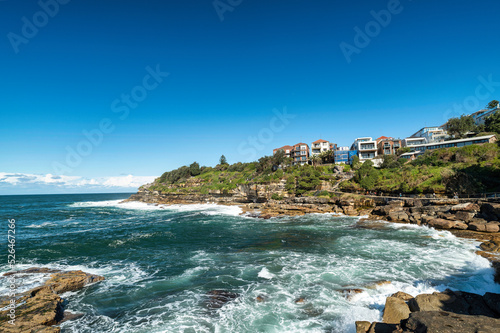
[{"x": 160, "y": 261}]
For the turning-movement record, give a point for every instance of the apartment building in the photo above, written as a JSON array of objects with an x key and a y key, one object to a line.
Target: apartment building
[
  {"x": 300, "y": 153},
  {"x": 409, "y": 142},
  {"x": 286, "y": 149},
  {"x": 319, "y": 146},
  {"x": 388, "y": 145},
  {"x": 481, "y": 115},
  {"x": 432, "y": 134},
  {"x": 417, "y": 150},
  {"x": 366, "y": 148}
]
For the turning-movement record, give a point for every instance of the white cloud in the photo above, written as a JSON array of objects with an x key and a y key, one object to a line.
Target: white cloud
[{"x": 12, "y": 182}]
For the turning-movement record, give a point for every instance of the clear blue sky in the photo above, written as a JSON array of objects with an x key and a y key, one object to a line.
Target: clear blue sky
[{"x": 227, "y": 76}]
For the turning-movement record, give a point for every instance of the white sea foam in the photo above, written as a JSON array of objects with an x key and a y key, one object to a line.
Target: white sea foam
[
  {"x": 264, "y": 273},
  {"x": 43, "y": 225},
  {"x": 207, "y": 209}
]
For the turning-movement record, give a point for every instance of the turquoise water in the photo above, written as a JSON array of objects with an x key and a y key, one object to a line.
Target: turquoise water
[{"x": 160, "y": 262}]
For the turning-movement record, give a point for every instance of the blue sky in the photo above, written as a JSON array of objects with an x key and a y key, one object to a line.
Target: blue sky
[{"x": 231, "y": 70}]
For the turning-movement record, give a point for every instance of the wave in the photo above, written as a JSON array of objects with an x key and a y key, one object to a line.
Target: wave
[{"x": 206, "y": 209}]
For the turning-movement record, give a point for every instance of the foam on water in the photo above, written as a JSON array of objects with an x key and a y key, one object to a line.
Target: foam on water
[{"x": 207, "y": 209}]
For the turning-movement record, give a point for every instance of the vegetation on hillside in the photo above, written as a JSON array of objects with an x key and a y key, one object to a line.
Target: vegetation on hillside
[{"x": 469, "y": 169}]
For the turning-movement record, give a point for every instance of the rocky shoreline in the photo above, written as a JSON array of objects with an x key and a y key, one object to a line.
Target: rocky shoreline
[
  {"x": 40, "y": 308},
  {"x": 450, "y": 311}
]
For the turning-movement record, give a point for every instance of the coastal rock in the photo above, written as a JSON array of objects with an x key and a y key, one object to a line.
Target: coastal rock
[
  {"x": 464, "y": 216},
  {"x": 447, "y": 322},
  {"x": 477, "y": 226},
  {"x": 492, "y": 210},
  {"x": 402, "y": 295},
  {"x": 438, "y": 223},
  {"x": 398, "y": 216},
  {"x": 217, "y": 298},
  {"x": 492, "y": 227},
  {"x": 362, "y": 326},
  {"x": 41, "y": 307},
  {"x": 493, "y": 302},
  {"x": 460, "y": 225},
  {"x": 467, "y": 207},
  {"x": 395, "y": 310},
  {"x": 491, "y": 245},
  {"x": 33, "y": 270}
]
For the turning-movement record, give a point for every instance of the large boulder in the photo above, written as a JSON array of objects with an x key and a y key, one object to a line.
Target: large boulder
[
  {"x": 400, "y": 215},
  {"x": 438, "y": 223},
  {"x": 477, "y": 226},
  {"x": 492, "y": 227},
  {"x": 464, "y": 216},
  {"x": 447, "y": 322},
  {"x": 491, "y": 245},
  {"x": 492, "y": 210},
  {"x": 466, "y": 207},
  {"x": 395, "y": 310}
]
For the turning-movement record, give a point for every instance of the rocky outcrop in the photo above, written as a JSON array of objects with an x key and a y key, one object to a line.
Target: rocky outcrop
[
  {"x": 41, "y": 307},
  {"x": 449, "y": 311}
]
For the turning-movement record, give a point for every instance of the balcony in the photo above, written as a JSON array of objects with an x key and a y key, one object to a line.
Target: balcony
[{"x": 367, "y": 147}]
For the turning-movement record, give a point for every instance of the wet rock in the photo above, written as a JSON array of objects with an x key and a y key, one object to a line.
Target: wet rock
[
  {"x": 447, "y": 322},
  {"x": 300, "y": 300},
  {"x": 402, "y": 295},
  {"x": 362, "y": 326},
  {"x": 491, "y": 209},
  {"x": 491, "y": 246},
  {"x": 493, "y": 302},
  {"x": 71, "y": 316},
  {"x": 33, "y": 270},
  {"x": 382, "y": 328},
  {"x": 41, "y": 307},
  {"x": 438, "y": 223},
  {"x": 260, "y": 298},
  {"x": 398, "y": 216},
  {"x": 395, "y": 310},
  {"x": 217, "y": 298}
]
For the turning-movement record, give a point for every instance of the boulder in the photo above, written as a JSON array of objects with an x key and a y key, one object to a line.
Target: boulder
[
  {"x": 491, "y": 209},
  {"x": 217, "y": 298},
  {"x": 477, "y": 226},
  {"x": 382, "y": 328},
  {"x": 71, "y": 281},
  {"x": 492, "y": 227},
  {"x": 438, "y": 223},
  {"x": 402, "y": 295},
  {"x": 464, "y": 216},
  {"x": 460, "y": 225},
  {"x": 493, "y": 302},
  {"x": 491, "y": 245},
  {"x": 466, "y": 207},
  {"x": 398, "y": 216},
  {"x": 446, "y": 322},
  {"x": 395, "y": 310},
  {"x": 362, "y": 326}
]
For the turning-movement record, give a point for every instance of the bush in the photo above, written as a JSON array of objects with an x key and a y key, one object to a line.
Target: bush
[
  {"x": 276, "y": 196},
  {"x": 194, "y": 169}
]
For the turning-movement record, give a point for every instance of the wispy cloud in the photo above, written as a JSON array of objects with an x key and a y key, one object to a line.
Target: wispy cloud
[{"x": 47, "y": 183}]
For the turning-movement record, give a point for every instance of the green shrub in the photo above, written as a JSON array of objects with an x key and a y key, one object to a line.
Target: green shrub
[{"x": 276, "y": 196}]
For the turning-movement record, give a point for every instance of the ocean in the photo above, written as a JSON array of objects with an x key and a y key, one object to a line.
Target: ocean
[{"x": 161, "y": 261}]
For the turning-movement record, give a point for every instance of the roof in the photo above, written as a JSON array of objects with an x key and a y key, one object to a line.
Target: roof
[
  {"x": 382, "y": 138},
  {"x": 284, "y": 148},
  {"x": 300, "y": 144},
  {"x": 319, "y": 141}
]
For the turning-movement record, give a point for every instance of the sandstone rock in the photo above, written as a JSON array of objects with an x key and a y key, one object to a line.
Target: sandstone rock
[
  {"x": 217, "y": 298},
  {"x": 398, "y": 216},
  {"x": 466, "y": 206},
  {"x": 71, "y": 281},
  {"x": 491, "y": 209},
  {"x": 491, "y": 246},
  {"x": 362, "y": 326},
  {"x": 382, "y": 328},
  {"x": 438, "y": 223},
  {"x": 492, "y": 227},
  {"x": 464, "y": 216},
  {"x": 395, "y": 310},
  {"x": 460, "y": 225},
  {"x": 476, "y": 226},
  {"x": 446, "y": 322},
  {"x": 445, "y": 301},
  {"x": 443, "y": 202},
  {"x": 402, "y": 295}
]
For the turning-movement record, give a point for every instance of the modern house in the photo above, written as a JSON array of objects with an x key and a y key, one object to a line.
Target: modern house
[
  {"x": 341, "y": 155},
  {"x": 409, "y": 142},
  {"x": 432, "y": 134},
  {"x": 366, "y": 147},
  {"x": 300, "y": 153},
  {"x": 417, "y": 150},
  {"x": 388, "y": 145},
  {"x": 286, "y": 149},
  {"x": 481, "y": 115},
  {"x": 319, "y": 146}
]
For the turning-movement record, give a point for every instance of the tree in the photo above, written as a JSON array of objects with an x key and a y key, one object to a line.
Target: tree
[
  {"x": 367, "y": 176},
  {"x": 492, "y": 123},
  {"x": 194, "y": 169},
  {"x": 315, "y": 159},
  {"x": 223, "y": 160},
  {"x": 493, "y": 104},
  {"x": 391, "y": 162},
  {"x": 356, "y": 164},
  {"x": 403, "y": 150},
  {"x": 327, "y": 156},
  {"x": 279, "y": 157},
  {"x": 458, "y": 127}
]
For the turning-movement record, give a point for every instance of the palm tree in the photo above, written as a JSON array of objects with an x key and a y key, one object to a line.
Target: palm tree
[{"x": 315, "y": 159}]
